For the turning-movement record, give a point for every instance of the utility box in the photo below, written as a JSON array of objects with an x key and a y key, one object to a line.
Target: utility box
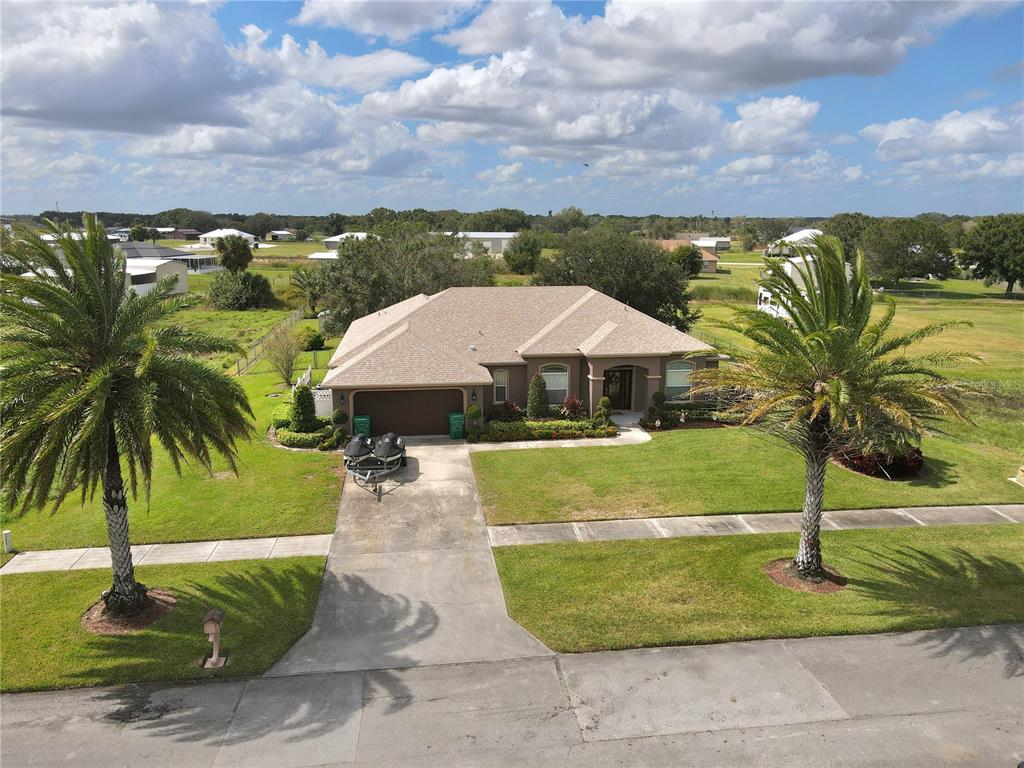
[
  {"x": 456, "y": 426},
  {"x": 361, "y": 425}
]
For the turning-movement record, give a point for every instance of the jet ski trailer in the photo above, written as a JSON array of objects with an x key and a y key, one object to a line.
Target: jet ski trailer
[{"x": 370, "y": 461}]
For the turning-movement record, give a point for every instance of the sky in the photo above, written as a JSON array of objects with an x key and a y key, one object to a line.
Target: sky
[{"x": 762, "y": 109}]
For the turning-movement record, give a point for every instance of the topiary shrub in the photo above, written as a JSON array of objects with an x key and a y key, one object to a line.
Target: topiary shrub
[
  {"x": 537, "y": 406},
  {"x": 603, "y": 412},
  {"x": 339, "y": 417},
  {"x": 310, "y": 339},
  {"x": 240, "y": 290},
  {"x": 303, "y": 411},
  {"x": 290, "y": 439},
  {"x": 473, "y": 414}
]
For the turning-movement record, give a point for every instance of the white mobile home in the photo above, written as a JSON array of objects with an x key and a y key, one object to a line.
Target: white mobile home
[
  {"x": 334, "y": 241},
  {"x": 792, "y": 267},
  {"x": 211, "y": 237},
  {"x": 143, "y": 274}
]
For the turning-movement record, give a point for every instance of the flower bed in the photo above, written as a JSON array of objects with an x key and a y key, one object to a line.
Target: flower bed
[{"x": 511, "y": 431}]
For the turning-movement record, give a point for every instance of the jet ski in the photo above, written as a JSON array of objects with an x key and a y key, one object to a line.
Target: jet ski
[{"x": 369, "y": 461}]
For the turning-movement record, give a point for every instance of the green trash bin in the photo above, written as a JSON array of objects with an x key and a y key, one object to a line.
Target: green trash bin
[
  {"x": 361, "y": 424},
  {"x": 456, "y": 426}
]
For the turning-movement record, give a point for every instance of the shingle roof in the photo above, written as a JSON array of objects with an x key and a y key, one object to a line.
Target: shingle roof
[
  {"x": 448, "y": 338},
  {"x": 136, "y": 250}
]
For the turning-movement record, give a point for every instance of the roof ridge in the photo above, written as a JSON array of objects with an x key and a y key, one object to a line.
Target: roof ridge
[
  {"x": 597, "y": 336},
  {"x": 557, "y": 320},
  {"x": 369, "y": 349}
]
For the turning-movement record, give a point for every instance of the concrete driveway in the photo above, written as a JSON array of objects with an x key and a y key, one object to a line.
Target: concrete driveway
[{"x": 410, "y": 579}]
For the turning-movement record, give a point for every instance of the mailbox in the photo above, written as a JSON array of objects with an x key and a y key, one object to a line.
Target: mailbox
[{"x": 211, "y": 626}]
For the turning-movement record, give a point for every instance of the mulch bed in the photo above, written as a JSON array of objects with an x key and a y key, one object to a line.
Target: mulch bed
[
  {"x": 98, "y": 622},
  {"x": 784, "y": 573}
]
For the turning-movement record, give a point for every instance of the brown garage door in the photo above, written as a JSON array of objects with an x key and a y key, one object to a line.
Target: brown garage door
[{"x": 408, "y": 412}]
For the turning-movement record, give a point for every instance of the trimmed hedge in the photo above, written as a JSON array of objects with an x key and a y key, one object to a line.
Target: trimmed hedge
[
  {"x": 281, "y": 416},
  {"x": 333, "y": 441},
  {"x": 510, "y": 431},
  {"x": 291, "y": 439}
]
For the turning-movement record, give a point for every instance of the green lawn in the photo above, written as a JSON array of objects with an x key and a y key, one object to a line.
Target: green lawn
[
  {"x": 628, "y": 594},
  {"x": 718, "y": 471},
  {"x": 744, "y": 257},
  {"x": 276, "y": 493},
  {"x": 267, "y": 604}
]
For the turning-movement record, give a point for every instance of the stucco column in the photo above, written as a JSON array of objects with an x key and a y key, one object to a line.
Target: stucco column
[
  {"x": 655, "y": 383},
  {"x": 595, "y": 382}
]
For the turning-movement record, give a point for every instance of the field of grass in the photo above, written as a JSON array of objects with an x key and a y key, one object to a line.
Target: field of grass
[
  {"x": 631, "y": 594},
  {"x": 267, "y": 604},
  {"x": 744, "y": 257},
  {"x": 276, "y": 493},
  {"x": 725, "y": 470}
]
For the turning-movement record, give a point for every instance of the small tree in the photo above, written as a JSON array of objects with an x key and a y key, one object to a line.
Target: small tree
[
  {"x": 523, "y": 253},
  {"x": 282, "y": 351},
  {"x": 303, "y": 412},
  {"x": 308, "y": 283},
  {"x": 234, "y": 253},
  {"x": 688, "y": 257},
  {"x": 473, "y": 413},
  {"x": 537, "y": 404},
  {"x": 603, "y": 414}
]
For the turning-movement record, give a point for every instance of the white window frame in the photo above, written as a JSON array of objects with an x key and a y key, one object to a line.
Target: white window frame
[
  {"x": 557, "y": 369},
  {"x": 678, "y": 367},
  {"x": 503, "y": 374}
]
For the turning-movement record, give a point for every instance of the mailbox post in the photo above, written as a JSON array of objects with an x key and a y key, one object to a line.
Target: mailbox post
[{"x": 211, "y": 626}]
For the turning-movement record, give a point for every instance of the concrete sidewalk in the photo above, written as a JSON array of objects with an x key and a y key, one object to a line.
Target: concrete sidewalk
[
  {"x": 917, "y": 700},
  {"x": 769, "y": 522},
  {"x": 165, "y": 554},
  {"x": 628, "y": 435}
]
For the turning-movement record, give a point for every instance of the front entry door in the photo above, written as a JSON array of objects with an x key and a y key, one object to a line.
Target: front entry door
[{"x": 618, "y": 387}]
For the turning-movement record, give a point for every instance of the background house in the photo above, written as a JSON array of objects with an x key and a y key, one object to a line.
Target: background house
[
  {"x": 211, "y": 238},
  {"x": 787, "y": 245},
  {"x": 184, "y": 234},
  {"x": 142, "y": 274},
  {"x": 194, "y": 262},
  {"x": 495, "y": 243},
  {"x": 708, "y": 260},
  {"x": 335, "y": 240},
  {"x": 284, "y": 235},
  {"x": 792, "y": 267},
  {"x": 713, "y": 244}
]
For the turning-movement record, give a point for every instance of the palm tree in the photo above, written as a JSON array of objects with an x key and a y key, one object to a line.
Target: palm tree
[
  {"x": 234, "y": 252},
  {"x": 308, "y": 285},
  {"x": 827, "y": 377},
  {"x": 92, "y": 372}
]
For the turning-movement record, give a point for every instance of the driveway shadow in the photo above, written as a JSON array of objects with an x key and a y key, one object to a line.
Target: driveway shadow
[
  {"x": 957, "y": 588},
  {"x": 296, "y": 707}
]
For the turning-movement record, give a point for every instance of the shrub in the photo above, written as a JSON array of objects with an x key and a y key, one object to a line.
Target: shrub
[
  {"x": 282, "y": 352},
  {"x": 474, "y": 412},
  {"x": 603, "y": 413},
  {"x": 339, "y": 417},
  {"x": 507, "y": 431},
  {"x": 334, "y": 440},
  {"x": 303, "y": 412},
  {"x": 473, "y": 434},
  {"x": 240, "y": 290},
  {"x": 507, "y": 411},
  {"x": 281, "y": 416},
  {"x": 537, "y": 398},
  {"x": 882, "y": 465},
  {"x": 572, "y": 408},
  {"x": 310, "y": 339},
  {"x": 290, "y": 439},
  {"x": 523, "y": 253}
]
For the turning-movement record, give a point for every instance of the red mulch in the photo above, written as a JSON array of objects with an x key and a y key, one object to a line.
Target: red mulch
[
  {"x": 784, "y": 573},
  {"x": 97, "y": 621}
]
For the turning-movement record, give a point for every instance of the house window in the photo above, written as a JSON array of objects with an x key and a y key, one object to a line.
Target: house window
[
  {"x": 677, "y": 379},
  {"x": 556, "y": 377},
  {"x": 500, "y": 386}
]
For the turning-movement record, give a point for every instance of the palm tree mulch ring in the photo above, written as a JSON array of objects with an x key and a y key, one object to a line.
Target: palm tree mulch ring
[
  {"x": 99, "y": 621},
  {"x": 783, "y": 572}
]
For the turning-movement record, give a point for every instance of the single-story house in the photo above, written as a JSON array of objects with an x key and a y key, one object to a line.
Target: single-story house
[
  {"x": 184, "y": 234},
  {"x": 334, "y": 241},
  {"x": 166, "y": 233},
  {"x": 708, "y": 260},
  {"x": 52, "y": 239},
  {"x": 194, "y": 262},
  {"x": 142, "y": 274},
  {"x": 713, "y": 244},
  {"x": 786, "y": 245},
  {"x": 494, "y": 242},
  {"x": 211, "y": 237},
  {"x": 279, "y": 234},
  {"x": 411, "y": 364}
]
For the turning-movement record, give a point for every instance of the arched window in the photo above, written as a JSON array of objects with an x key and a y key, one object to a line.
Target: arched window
[
  {"x": 556, "y": 377},
  {"x": 500, "y": 386},
  {"x": 677, "y": 379}
]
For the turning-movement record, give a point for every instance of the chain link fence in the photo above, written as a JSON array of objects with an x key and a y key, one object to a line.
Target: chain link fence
[{"x": 255, "y": 350}]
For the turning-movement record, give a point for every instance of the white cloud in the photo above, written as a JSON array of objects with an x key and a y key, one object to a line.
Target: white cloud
[
  {"x": 853, "y": 173},
  {"x": 313, "y": 66},
  {"x": 962, "y": 168},
  {"x": 982, "y": 130},
  {"x": 772, "y": 125},
  {"x": 501, "y": 174},
  {"x": 398, "y": 20}
]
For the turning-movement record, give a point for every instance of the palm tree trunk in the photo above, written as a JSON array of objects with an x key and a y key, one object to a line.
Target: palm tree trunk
[
  {"x": 125, "y": 596},
  {"x": 808, "y": 555}
]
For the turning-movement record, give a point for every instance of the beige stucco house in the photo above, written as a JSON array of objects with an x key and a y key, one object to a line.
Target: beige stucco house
[{"x": 414, "y": 362}]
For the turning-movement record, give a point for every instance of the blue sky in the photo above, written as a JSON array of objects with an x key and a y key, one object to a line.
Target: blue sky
[{"x": 681, "y": 108}]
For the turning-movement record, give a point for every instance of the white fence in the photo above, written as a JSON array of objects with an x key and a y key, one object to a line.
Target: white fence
[
  {"x": 304, "y": 379},
  {"x": 323, "y": 401}
]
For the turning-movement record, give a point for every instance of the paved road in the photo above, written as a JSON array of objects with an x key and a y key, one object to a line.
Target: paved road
[
  {"x": 411, "y": 579},
  {"x": 925, "y": 699},
  {"x": 769, "y": 522}
]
